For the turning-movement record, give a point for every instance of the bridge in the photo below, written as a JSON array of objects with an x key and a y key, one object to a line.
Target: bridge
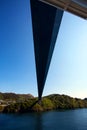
[{"x": 46, "y": 21}]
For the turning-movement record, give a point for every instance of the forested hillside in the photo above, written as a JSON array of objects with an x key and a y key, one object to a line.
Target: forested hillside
[{"x": 51, "y": 102}]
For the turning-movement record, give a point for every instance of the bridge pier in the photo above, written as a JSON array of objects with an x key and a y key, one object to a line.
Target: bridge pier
[{"x": 46, "y": 21}]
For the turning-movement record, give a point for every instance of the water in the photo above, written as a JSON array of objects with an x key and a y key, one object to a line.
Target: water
[{"x": 53, "y": 120}]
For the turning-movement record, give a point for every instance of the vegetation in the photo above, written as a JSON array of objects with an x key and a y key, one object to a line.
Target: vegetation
[
  {"x": 66, "y": 102},
  {"x": 50, "y": 102},
  {"x": 47, "y": 104}
]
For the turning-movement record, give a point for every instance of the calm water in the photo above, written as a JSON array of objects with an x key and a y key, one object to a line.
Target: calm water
[{"x": 53, "y": 120}]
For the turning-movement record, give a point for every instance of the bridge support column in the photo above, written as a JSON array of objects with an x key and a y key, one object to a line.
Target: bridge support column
[{"x": 46, "y": 21}]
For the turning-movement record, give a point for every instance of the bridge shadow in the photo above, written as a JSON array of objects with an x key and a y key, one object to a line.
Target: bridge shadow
[
  {"x": 33, "y": 104},
  {"x": 36, "y": 102}
]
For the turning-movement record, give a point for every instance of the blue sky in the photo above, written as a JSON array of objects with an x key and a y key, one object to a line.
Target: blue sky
[{"x": 68, "y": 69}]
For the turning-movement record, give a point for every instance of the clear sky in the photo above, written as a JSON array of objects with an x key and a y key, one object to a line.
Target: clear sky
[{"x": 68, "y": 69}]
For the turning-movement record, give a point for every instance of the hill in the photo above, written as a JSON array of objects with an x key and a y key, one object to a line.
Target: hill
[{"x": 50, "y": 102}]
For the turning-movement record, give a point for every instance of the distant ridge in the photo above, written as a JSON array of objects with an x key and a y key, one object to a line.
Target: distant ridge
[{"x": 14, "y": 96}]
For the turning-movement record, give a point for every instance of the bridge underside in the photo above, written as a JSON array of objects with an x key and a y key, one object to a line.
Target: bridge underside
[
  {"x": 77, "y": 7},
  {"x": 45, "y": 22}
]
